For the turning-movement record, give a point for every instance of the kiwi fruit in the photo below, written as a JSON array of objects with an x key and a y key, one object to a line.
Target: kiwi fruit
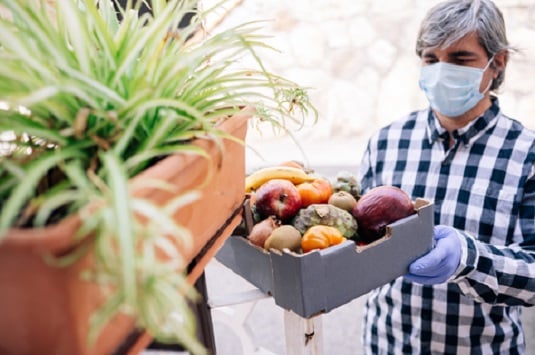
[
  {"x": 284, "y": 236},
  {"x": 343, "y": 200}
]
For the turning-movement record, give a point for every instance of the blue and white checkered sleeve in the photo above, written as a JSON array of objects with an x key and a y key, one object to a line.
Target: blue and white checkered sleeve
[{"x": 502, "y": 275}]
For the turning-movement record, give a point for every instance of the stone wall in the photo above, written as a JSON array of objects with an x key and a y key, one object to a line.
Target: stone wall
[{"x": 358, "y": 57}]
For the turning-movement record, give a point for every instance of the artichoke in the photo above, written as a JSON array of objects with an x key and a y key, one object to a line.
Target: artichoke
[
  {"x": 346, "y": 181},
  {"x": 328, "y": 215}
]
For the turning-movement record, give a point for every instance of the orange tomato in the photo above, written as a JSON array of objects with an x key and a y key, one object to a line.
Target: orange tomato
[
  {"x": 320, "y": 237},
  {"x": 316, "y": 191}
]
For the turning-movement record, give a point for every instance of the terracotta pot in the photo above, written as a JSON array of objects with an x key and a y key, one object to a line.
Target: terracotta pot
[{"x": 45, "y": 309}]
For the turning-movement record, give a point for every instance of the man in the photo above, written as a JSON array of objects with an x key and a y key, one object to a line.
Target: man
[{"x": 478, "y": 168}]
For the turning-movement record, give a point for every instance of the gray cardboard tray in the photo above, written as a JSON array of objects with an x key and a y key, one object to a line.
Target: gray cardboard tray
[{"x": 321, "y": 280}]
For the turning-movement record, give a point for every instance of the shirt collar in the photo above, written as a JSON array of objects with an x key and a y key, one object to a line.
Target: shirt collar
[{"x": 467, "y": 133}]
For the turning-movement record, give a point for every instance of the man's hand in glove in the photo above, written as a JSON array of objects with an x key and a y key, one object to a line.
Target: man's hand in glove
[{"x": 440, "y": 263}]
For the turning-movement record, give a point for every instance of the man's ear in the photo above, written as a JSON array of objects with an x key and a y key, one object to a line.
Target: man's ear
[{"x": 500, "y": 61}]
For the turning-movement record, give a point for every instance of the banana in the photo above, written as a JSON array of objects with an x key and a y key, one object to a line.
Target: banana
[{"x": 258, "y": 177}]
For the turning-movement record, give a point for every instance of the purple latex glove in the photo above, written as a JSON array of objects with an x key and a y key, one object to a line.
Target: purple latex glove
[{"x": 440, "y": 262}]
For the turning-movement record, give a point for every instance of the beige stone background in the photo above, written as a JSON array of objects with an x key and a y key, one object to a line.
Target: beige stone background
[{"x": 358, "y": 58}]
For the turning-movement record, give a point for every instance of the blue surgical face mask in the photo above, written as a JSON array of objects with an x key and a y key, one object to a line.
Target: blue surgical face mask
[{"x": 452, "y": 89}]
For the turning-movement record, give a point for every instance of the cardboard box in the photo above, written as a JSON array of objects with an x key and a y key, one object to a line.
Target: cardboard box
[{"x": 321, "y": 280}]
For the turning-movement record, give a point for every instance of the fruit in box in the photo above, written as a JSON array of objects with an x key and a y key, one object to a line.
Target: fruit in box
[
  {"x": 346, "y": 181},
  {"x": 293, "y": 196},
  {"x": 328, "y": 215},
  {"x": 284, "y": 237},
  {"x": 261, "y": 231},
  {"x": 257, "y": 178},
  {"x": 279, "y": 198},
  {"x": 320, "y": 237},
  {"x": 379, "y": 207},
  {"x": 343, "y": 199},
  {"x": 318, "y": 190}
]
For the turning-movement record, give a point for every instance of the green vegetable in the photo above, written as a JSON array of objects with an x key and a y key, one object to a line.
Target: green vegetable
[
  {"x": 328, "y": 215},
  {"x": 346, "y": 181}
]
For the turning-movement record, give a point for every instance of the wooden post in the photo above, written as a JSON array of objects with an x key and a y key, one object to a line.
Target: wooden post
[{"x": 304, "y": 336}]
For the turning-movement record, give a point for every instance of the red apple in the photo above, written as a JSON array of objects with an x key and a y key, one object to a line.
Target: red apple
[{"x": 279, "y": 198}]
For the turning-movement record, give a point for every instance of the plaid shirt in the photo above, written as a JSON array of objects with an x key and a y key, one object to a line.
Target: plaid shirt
[{"x": 484, "y": 185}]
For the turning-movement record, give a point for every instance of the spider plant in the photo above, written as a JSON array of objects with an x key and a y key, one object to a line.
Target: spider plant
[{"x": 87, "y": 101}]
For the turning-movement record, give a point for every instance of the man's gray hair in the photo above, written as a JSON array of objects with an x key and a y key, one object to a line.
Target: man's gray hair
[{"x": 449, "y": 21}]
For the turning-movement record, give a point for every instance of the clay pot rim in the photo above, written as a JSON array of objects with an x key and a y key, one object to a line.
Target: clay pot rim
[{"x": 58, "y": 241}]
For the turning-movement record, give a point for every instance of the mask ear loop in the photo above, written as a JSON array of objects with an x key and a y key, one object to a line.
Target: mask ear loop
[
  {"x": 492, "y": 80},
  {"x": 488, "y": 63}
]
